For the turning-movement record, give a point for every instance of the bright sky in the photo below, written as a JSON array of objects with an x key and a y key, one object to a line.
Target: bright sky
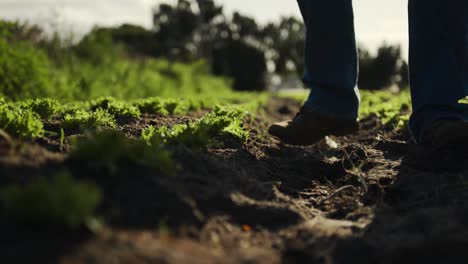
[{"x": 376, "y": 20}]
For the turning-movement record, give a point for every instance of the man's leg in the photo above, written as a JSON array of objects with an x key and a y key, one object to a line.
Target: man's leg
[
  {"x": 331, "y": 73},
  {"x": 438, "y": 62},
  {"x": 331, "y": 58}
]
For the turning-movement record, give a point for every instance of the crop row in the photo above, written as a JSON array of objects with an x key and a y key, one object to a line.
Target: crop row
[
  {"x": 70, "y": 203},
  {"x": 25, "y": 118}
]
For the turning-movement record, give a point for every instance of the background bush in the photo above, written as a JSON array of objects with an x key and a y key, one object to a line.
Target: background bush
[{"x": 24, "y": 71}]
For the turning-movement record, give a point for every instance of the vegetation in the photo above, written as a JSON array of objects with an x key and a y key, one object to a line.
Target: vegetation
[
  {"x": 116, "y": 108},
  {"x": 83, "y": 120},
  {"x": 392, "y": 109},
  {"x": 222, "y": 123},
  {"x": 93, "y": 68},
  {"x": 60, "y": 201},
  {"x": 385, "y": 69},
  {"x": 24, "y": 70},
  {"x": 44, "y": 107},
  {"x": 20, "y": 122},
  {"x": 156, "y": 105},
  {"x": 146, "y": 129},
  {"x": 111, "y": 150},
  {"x": 240, "y": 48},
  {"x": 105, "y": 95}
]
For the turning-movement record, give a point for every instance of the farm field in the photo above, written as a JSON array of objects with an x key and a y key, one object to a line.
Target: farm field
[
  {"x": 111, "y": 157},
  {"x": 177, "y": 181}
]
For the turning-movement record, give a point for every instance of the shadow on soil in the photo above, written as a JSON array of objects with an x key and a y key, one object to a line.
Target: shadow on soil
[
  {"x": 374, "y": 199},
  {"x": 423, "y": 217}
]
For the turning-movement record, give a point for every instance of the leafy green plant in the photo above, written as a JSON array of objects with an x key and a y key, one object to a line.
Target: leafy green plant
[
  {"x": 20, "y": 122},
  {"x": 152, "y": 105},
  {"x": 166, "y": 106},
  {"x": 81, "y": 119},
  {"x": 60, "y": 201},
  {"x": 149, "y": 133},
  {"x": 222, "y": 123},
  {"x": 191, "y": 135},
  {"x": 44, "y": 107},
  {"x": 392, "y": 109},
  {"x": 111, "y": 150},
  {"x": 234, "y": 114},
  {"x": 120, "y": 109},
  {"x": 115, "y": 107},
  {"x": 72, "y": 107},
  {"x": 101, "y": 102},
  {"x": 171, "y": 106}
]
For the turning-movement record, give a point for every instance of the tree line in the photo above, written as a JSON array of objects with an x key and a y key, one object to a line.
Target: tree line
[{"x": 234, "y": 46}]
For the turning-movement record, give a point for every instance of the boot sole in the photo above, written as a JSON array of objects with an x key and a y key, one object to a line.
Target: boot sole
[
  {"x": 346, "y": 131},
  {"x": 340, "y": 132}
]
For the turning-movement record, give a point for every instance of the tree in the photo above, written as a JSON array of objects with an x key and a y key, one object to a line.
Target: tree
[
  {"x": 199, "y": 29},
  {"x": 285, "y": 44},
  {"x": 174, "y": 28},
  {"x": 242, "y": 62},
  {"x": 138, "y": 40},
  {"x": 208, "y": 13},
  {"x": 383, "y": 70},
  {"x": 238, "y": 53}
]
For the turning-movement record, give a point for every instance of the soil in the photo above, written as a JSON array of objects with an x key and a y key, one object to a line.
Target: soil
[{"x": 372, "y": 197}]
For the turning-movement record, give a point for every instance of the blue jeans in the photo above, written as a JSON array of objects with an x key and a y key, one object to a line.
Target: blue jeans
[{"x": 438, "y": 60}]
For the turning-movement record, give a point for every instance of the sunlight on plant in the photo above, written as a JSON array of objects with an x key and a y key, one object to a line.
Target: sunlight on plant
[
  {"x": 20, "y": 122},
  {"x": 83, "y": 120},
  {"x": 210, "y": 131},
  {"x": 116, "y": 108},
  {"x": 392, "y": 109},
  {"x": 44, "y": 107}
]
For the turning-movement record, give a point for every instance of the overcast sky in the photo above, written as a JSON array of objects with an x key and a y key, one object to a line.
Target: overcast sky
[{"x": 376, "y": 20}]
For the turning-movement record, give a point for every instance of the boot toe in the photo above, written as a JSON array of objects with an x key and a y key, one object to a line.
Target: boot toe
[{"x": 278, "y": 129}]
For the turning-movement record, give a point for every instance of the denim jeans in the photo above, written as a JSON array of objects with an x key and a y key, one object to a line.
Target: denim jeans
[{"x": 438, "y": 32}]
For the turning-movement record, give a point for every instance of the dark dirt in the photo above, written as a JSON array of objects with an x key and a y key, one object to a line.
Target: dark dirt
[{"x": 374, "y": 198}]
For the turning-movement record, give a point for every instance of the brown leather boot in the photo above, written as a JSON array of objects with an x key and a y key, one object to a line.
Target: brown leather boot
[
  {"x": 447, "y": 133},
  {"x": 308, "y": 128}
]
